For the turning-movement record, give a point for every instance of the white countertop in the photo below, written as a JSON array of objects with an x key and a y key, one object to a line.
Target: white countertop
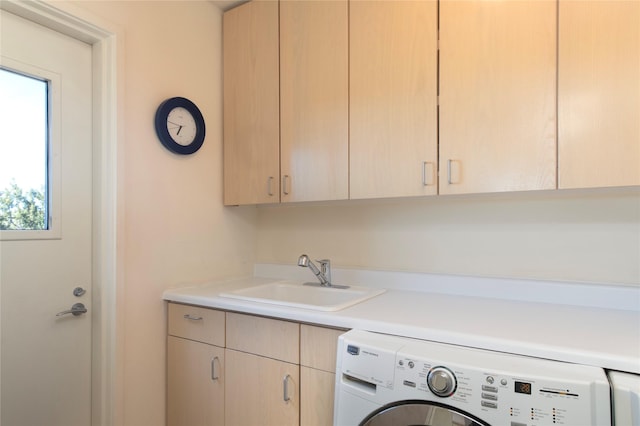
[{"x": 496, "y": 316}]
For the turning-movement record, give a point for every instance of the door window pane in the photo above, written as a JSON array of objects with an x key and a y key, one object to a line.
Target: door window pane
[{"x": 23, "y": 152}]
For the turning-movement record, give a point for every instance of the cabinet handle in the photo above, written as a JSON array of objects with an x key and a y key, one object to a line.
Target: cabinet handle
[
  {"x": 192, "y": 318},
  {"x": 285, "y": 186},
  {"x": 285, "y": 388},
  {"x": 449, "y": 161},
  {"x": 214, "y": 376},
  {"x": 269, "y": 186},
  {"x": 425, "y": 174}
]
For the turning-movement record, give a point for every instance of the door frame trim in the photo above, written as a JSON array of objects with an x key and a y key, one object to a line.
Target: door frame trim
[{"x": 107, "y": 42}]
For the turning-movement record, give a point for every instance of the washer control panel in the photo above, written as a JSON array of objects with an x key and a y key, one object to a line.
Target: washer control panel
[{"x": 495, "y": 388}]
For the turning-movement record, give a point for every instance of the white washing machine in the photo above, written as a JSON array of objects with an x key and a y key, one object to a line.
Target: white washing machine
[
  {"x": 626, "y": 398},
  {"x": 384, "y": 380}
]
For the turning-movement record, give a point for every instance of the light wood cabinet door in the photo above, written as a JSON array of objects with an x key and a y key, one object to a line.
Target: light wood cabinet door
[
  {"x": 314, "y": 100},
  {"x": 316, "y": 397},
  {"x": 195, "y": 383},
  {"x": 393, "y": 98},
  {"x": 318, "y": 346},
  {"x": 251, "y": 104},
  {"x": 261, "y": 391},
  {"x": 497, "y": 96},
  {"x": 599, "y": 93}
]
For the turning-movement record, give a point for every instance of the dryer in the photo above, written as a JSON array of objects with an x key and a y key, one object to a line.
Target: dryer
[
  {"x": 384, "y": 380},
  {"x": 626, "y": 398}
]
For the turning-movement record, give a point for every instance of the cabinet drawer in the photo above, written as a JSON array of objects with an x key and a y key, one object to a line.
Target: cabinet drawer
[
  {"x": 201, "y": 324},
  {"x": 264, "y": 336},
  {"x": 318, "y": 346}
]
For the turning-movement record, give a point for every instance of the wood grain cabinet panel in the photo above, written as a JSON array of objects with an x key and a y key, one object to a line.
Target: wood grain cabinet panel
[
  {"x": 316, "y": 397},
  {"x": 261, "y": 391},
  {"x": 195, "y": 366},
  {"x": 318, "y": 346},
  {"x": 196, "y": 323},
  {"x": 314, "y": 115},
  {"x": 393, "y": 98},
  {"x": 264, "y": 336},
  {"x": 195, "y": 383},
  {"x": 497, "y": 96},
  {"x": 599, "y": 93},
  {"x": 263, "y": 371},
  {"x": 251, "y": 104}
]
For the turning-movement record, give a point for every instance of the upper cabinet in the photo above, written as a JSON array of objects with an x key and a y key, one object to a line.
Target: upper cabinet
[
  {"x": 497, "y": 96},
  {"x": 314, "y": 99},
  {"x": 338, "y": 99},
  {"x": 251, "y": 104},
  {"x": 286, "y": 115},
  {"x": 599, "y": 93},
  {"x": 393, "y": 98}
]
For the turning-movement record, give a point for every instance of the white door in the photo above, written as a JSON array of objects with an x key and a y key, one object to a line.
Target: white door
[{"x": 45, "y": 359}]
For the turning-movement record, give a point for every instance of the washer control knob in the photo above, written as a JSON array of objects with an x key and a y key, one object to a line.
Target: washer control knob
[{"x": 441, "y": 381}]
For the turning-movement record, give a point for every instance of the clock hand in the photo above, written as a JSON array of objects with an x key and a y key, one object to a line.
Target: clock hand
[{"x": 178, "y": 132}]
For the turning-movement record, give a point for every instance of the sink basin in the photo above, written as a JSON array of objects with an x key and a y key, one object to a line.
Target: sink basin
[{"x": 305, "y": 296}]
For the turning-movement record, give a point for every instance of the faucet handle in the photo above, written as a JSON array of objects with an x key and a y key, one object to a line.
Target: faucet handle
[{"x": 325, "y": 268}]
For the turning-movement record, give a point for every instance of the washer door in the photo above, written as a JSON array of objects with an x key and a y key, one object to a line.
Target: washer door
[{"x": 419, "y": 413}]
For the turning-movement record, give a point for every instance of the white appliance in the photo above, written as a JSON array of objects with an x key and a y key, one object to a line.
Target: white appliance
[
  {"x": 384, "y": 380},
  {"x": 626, "y": 398}
]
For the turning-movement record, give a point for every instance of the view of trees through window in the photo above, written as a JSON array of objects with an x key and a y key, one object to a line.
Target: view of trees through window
[{"x": 23, "y": 152}]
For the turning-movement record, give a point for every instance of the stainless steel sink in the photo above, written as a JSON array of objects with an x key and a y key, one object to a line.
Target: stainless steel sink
[{"x": 287, "y": 293}]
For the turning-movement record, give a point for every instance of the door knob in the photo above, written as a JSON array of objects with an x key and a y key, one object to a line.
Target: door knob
[{"x": 76, "y": 309}]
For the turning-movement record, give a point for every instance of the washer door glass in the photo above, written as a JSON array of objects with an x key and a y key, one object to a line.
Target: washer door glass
[{"x": 419, "y": 414}]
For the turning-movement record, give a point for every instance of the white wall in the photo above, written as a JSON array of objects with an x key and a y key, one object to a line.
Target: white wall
[
  {"x": 176, "y": 229},
  {"x": 591, "y": 236}
]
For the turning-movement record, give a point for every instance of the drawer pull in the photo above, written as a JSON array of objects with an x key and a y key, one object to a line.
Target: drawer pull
[
  {"x": 192, "y": 318},
  {"x": 285, "y": 388},
  {"x": 214, "y": 376}
]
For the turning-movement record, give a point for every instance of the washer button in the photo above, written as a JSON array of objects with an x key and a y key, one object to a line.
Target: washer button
[
  {"x": 488, "y": 404},
  {"x": 489, "y": 388}
]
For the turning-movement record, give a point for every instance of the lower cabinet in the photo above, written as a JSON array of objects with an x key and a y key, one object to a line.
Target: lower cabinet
[
  {"x": 195, "y": 391},
  {"x": 261, "y": 391},
  {"x": 318, "y": 347},
  {"x": 227, "y": 368},
  {"x": 195, "y": 366},
  {"x": 263, "y": 372},
  {"x": 316, "y": 397}
]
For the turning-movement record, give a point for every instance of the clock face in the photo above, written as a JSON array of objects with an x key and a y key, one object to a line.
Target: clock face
[{"x": 181, "y": 126}]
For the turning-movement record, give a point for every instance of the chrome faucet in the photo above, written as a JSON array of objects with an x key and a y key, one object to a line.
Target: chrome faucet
[{"x": 323, "y": 274}]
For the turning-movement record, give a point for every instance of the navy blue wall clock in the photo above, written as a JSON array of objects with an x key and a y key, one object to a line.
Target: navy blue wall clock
[{"x": 180, "y": 126}]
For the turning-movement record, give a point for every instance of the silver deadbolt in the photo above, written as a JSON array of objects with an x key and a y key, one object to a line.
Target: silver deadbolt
[
  {"x": 76, "y": 309},
  {"x": 79, "y": 291}
]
